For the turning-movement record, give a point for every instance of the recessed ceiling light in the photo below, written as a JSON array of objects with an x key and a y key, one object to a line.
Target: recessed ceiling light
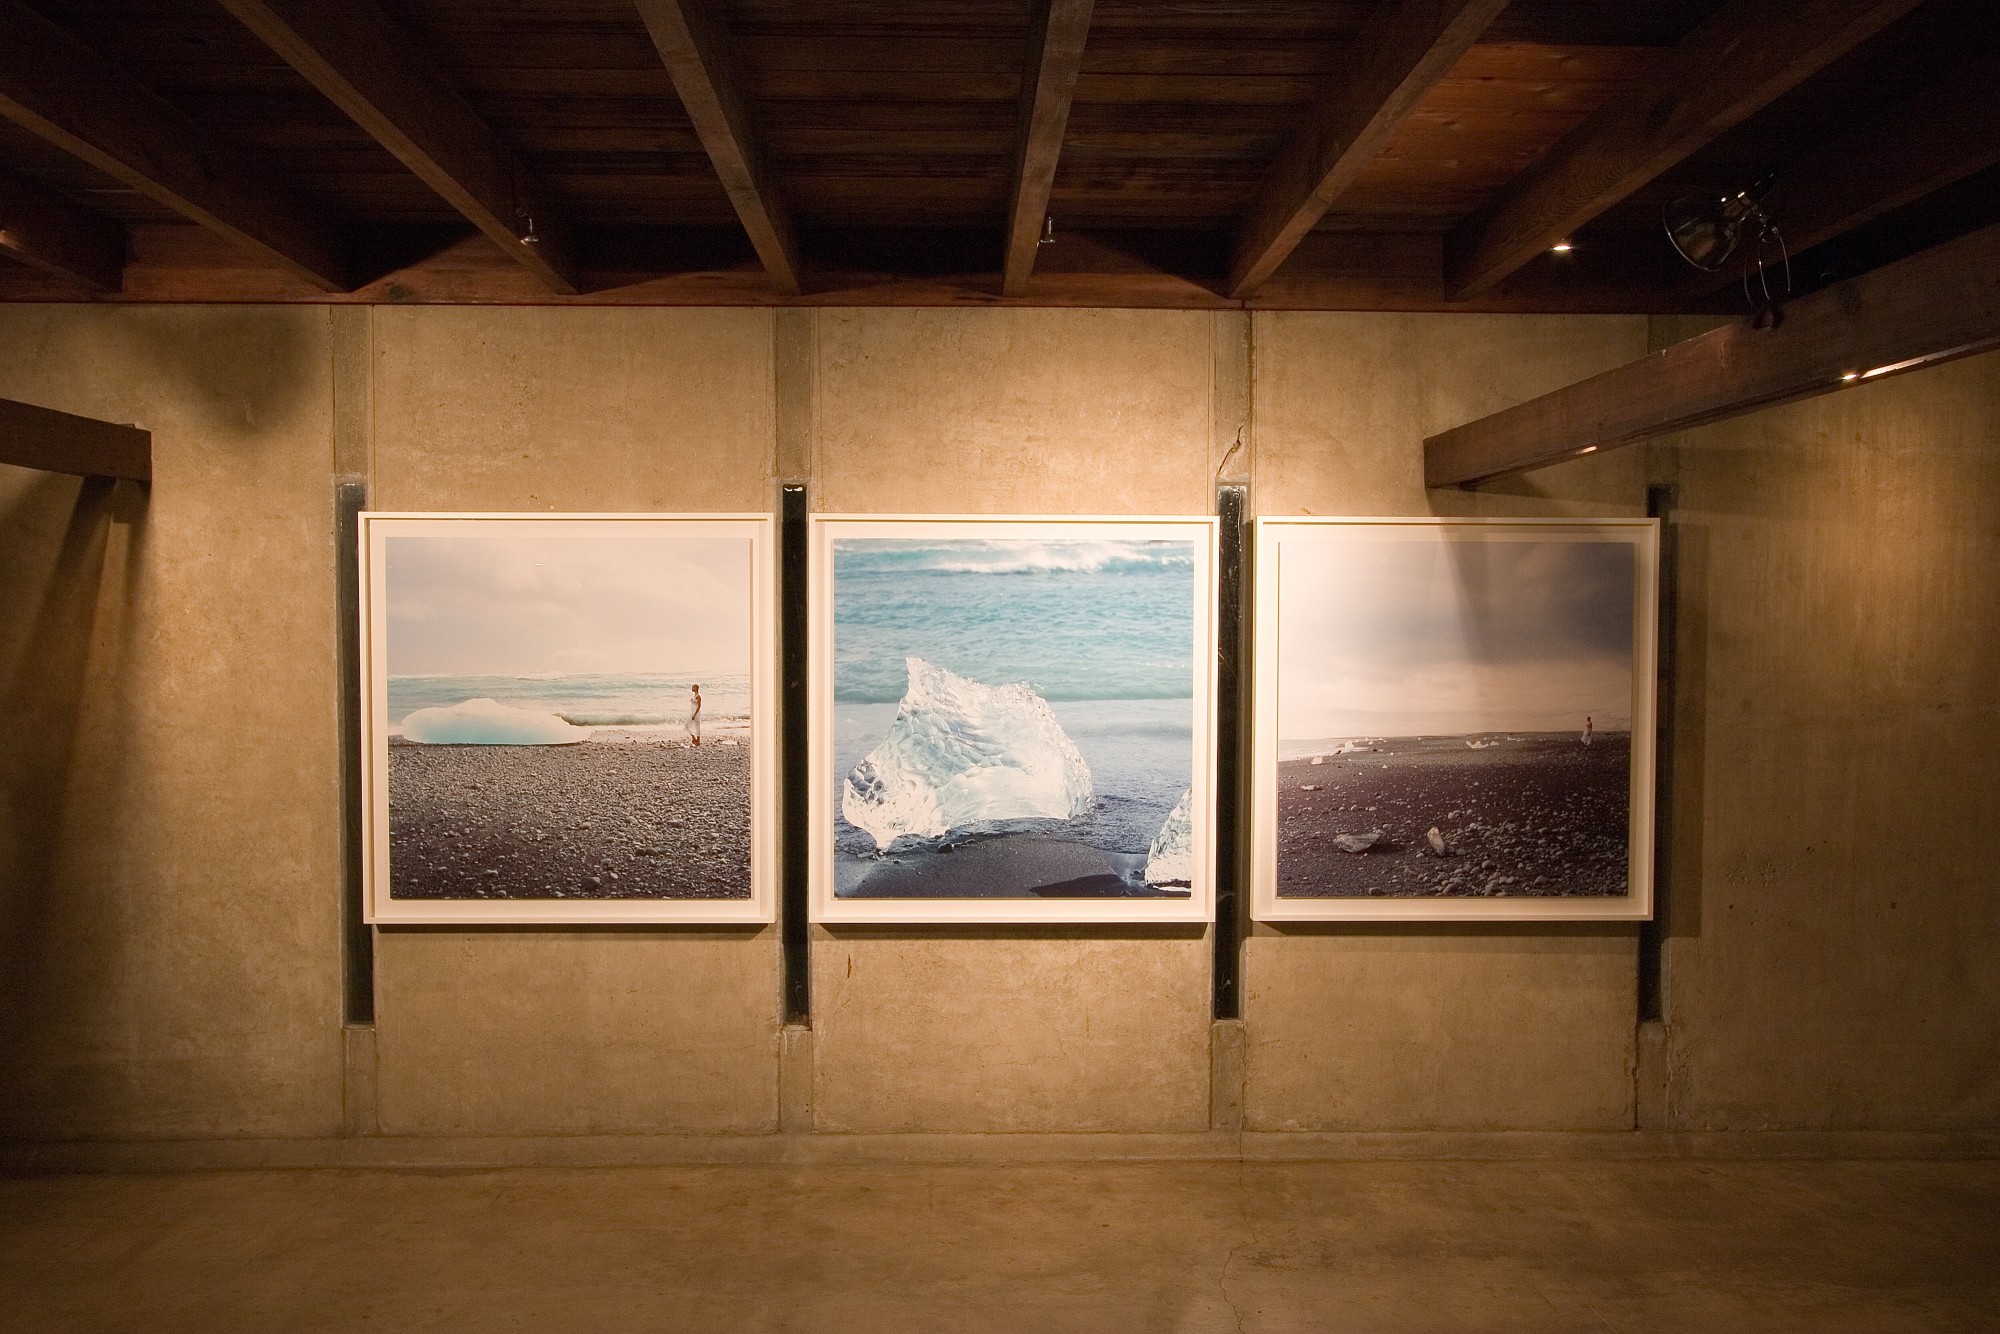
[{"x": 1561, "y": 248}]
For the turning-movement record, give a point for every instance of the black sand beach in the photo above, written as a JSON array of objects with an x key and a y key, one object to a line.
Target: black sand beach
[
  {"x": 1020, "y": 864},
  {"x": 598, "y": 820},
  {"x": 1541, "y": 817}
]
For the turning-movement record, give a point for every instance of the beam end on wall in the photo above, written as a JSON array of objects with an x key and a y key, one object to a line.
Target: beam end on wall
[
  {"x": 38, "y": 437},
  {"x": 1933, "y": 307}
]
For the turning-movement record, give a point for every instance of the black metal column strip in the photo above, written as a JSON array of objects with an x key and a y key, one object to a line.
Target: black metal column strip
[
  {"x": 794, "y": 778},
  {"x": 357, "y": 983},
  {"x": 1652, "y": 934},
  {"x": 1232, "y": 573}
]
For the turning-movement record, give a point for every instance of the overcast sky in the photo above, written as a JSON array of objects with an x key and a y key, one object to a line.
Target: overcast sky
[
  {"x": 1429, "y": 636},
  {"x": 525, "y": 598}
]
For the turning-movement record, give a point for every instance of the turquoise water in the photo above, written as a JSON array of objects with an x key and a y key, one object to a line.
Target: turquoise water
[
  {"x": 1075, "y": 620},
  {"x": 1102, "y": 630},
  {"x": 636, "y": 702}
]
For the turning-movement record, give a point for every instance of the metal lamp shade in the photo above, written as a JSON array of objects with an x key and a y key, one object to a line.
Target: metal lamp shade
[{"x": 1706, "y": 230}]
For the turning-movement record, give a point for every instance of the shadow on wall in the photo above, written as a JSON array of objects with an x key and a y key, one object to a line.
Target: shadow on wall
[
  {"x": 1680, "y": 905},
  {"x": 58, "y": 637},
  {"x": 236, "y": 375}
]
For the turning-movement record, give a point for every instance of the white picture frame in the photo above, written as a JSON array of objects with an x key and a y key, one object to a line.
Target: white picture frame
[
  {"x": 831, "y": 908},
  {"x": 1310, "y": 549},
  {"x": 757, "y": 905}
]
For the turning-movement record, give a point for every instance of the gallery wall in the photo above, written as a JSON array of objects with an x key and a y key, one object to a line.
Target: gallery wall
[
  {"x": 172, "y": 832},
  {"x": 1837, "y": 912}
]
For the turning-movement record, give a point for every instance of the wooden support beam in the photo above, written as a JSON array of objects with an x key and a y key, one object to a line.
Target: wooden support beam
[
  {"x": 371, "y": 69},
  {"x": 1743, "y": 58},
  {"x": 1402, "y": 53},
  {"x": 1056, "y": 34},
  {"x": 45, "y": 231},
  {"x": 694, "y": 46},
  {"x": 1941, "y": 133},
  {"x": 33, "y": 437},
  {"x": 1128, "y": 269},
  {"x": 1933, "y": 307},
  {"x": 53, "y": 86}
]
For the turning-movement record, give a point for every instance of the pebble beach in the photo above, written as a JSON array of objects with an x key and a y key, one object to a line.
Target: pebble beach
[
  {"x": 612, "y": 819},
  {"x": 1539, "y": 816}
]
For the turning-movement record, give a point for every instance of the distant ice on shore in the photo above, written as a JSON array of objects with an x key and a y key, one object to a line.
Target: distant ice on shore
[
  {"x": 485, "y": 722},
  {"x": 960, "y": 753}
]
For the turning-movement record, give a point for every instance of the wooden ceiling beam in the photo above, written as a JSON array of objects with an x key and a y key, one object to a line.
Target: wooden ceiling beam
[
  {"x": 41, "y": 229},
  {"x": 694, "y": 46},
  {"x": 1057, "y": 32},
  {"x": 934, "y": 267},
  {"x": 1942, "y": 133},
  {"x": 55, "y": 87},
  {"x": 36, "y": 437},
  {"x": 371, "y": 69},
  {"x": 1930, "y": 308},
  {"x": 1744, "y": 57},
  {"x": 1402, "y": 53}
]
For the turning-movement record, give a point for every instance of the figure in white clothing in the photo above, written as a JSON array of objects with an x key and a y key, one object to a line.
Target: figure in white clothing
[
  {"x": 694, "y": 715},
  {"x": 1589, "y": 729}
]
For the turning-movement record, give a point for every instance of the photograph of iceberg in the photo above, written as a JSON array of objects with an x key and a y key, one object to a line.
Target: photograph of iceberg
[
  {"x": 1013, "y": 717},
  {"x": 566, "y": 713},
  {"x": 1454, "y": 714}
]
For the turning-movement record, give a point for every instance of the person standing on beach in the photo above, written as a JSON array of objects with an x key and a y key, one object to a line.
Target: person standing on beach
[
  {"x": 694, "y": 715},
  {"x": 1588, "y": 728}
]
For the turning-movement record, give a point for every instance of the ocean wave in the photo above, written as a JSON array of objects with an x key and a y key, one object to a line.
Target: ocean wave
[
  {"x": 1011, "y": 556},
  {"x": 577, "y": 719},
  {"x": 1055, "y": 695},
  {"x": 614, "y": 699}
]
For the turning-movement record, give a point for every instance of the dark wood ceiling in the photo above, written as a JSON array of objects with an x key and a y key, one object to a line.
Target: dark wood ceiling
[{"x": 872, "y": 151}]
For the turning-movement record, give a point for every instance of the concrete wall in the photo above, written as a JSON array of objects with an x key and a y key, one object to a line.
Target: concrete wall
[
  {"x": 1836, "y": 910},
  {"x": 1366, "y": 1027},
  {"x": 171, "y": 833},
  {"x": 1024, "y": 412},
  {"x": 171, "y": 845},
  {"x": 537, "y": 1032}
]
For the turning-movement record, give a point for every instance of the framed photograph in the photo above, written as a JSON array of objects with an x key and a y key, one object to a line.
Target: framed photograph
[
  {"x": 568, "y": 718},
  {"x": 1012, "y": 719},
  {"x": 1454, "y": 719}
]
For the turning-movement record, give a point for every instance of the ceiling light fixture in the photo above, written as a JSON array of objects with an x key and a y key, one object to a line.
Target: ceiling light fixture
[
  {"x": 1561, "y": 248},
  {"x": 1706, "y": 230}
]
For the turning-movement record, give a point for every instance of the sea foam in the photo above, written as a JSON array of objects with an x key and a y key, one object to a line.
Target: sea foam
[
  {"x": 960, "y": 754},
  {"x": 485, "y": 722}
]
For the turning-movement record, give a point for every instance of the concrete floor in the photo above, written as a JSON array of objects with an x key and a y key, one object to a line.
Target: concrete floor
[{"x": 1543, "y": 1246}]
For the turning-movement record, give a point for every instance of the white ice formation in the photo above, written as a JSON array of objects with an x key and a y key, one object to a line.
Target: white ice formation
[
  {"x": 1170, "y": 861},
  {"x": 1357, "y": 842},
  {"x": 960, "y": 753},
  {"x": 485, "y": 722}
]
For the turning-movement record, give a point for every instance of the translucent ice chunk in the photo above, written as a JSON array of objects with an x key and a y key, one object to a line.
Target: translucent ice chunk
[
  {"x": 960, "y": 753},
  {"x": 1170, "y": 861}
]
